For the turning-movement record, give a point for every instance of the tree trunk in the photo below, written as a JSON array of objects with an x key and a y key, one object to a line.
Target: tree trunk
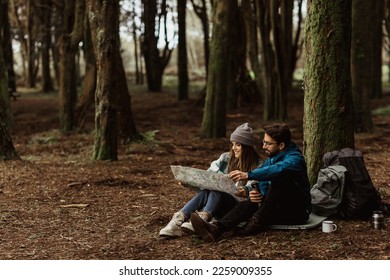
[
  {"x": 214, "y": 117},
  {"x": 249, "y": 16},
  {"x": 328, "y": 115},
  {"x": 387, "y": 26},
  {"x": 7, "y": 46},
  {"x": 127, "y": 128},
  {"x": 73, "y": 30},
  {"x": 362, "y": 49},
  {"x": 87, "y": 96},
  {"x": 182, "y": 51},
  {"x": 31, "y": 53},
  {"x": 47, "y": 83},
  {"x": 236, "y": 53},
  {"x": 154, "y": 62},
  {"x": 6, "y": 119},
  {"x": 377, "y": 48},
  {"x": 58, "y": 19},
  {"x": 138, "y": 72},
  {"x": 201, "y": 12},
  {"x": 7, "y": 150},
  {"x": 110, "y": 87}
]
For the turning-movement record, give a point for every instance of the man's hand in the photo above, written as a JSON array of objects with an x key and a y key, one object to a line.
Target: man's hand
[
  {"x": 237, "y": 175},
  {"x": 255, "y": 196}
]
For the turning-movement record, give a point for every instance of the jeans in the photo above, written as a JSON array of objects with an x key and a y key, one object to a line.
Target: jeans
[
  {"x": 216, "y": 203},
  {"x": 284, "y": 204}
]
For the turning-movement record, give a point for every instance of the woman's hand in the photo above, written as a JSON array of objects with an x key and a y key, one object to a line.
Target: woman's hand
[
  {"x": 240, "y": 192},
  {"x": 237, "y": 175}
]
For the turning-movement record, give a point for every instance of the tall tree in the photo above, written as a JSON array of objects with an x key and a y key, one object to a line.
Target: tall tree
[
  {"x": 252, "y": 48},
  {"x": 5, "y": 31},
  {"x": 387, "y": 27},
  {"x": 87, "y": 95},
  {"x": 328, "y": 114},
  {"x": 214, "y": 116},
  {"x": 236, "y": 53},
  {"x": 111, "y": 97},
  {"x": 7, "y": 150},
  {"x": 379, "y": 10},
  {"x": 45, "y": 23},
  {"x": 279, "y": 52},
  {"x": 362, "y": 50},
  {"x": 32, "y": 52},
  {"x": 182, "y": 51},
  {"x": 6, "y": 115},
  {"x": 74, "y": 11},
  {"x": 201, "y": 12},
  {"x": 155, "y": 60}
]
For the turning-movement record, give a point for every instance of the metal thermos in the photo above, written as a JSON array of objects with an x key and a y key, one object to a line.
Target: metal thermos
[{"x": 378, "y": 219}]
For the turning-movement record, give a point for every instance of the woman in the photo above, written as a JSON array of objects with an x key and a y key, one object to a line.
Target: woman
[{"x": 214, "y": 204}]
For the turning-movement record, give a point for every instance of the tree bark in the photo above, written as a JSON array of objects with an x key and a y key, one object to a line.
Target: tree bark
[
  {"x": 328, "y": 114},
  {"x": 112, "y": 100},
  {"x": 214, "y": 117},
  {"x": 7, "y": 46},
  {"x": 7, "y": 150}
]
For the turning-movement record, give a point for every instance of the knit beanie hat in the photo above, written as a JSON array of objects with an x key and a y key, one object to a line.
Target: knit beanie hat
[{"x": 243, "y": 135}]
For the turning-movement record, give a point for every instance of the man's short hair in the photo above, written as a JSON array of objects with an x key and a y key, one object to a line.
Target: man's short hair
[{"x": 280, "y": 132}]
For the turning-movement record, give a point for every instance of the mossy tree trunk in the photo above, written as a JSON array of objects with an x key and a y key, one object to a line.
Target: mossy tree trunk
[
  {"x": 112, "y": 99},
  {"x": 214, "y": 116},
  {"x": 328, "y": 114}
]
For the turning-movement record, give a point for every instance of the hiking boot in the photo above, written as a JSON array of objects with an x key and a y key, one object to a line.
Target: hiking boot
[
  {"x": 207, "y": 231},
  {"x": 252, "y": 227},
  {"x": 173, "y": 228},
  {"x": 204, "y": 215},
  {"x": 187, "y": 226}
]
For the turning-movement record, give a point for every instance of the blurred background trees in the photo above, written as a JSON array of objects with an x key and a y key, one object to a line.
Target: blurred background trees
[{"x": 243, "y": 52}]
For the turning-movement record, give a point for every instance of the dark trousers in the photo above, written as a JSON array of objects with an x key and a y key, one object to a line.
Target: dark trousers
[{"x": 284, "y": 204}]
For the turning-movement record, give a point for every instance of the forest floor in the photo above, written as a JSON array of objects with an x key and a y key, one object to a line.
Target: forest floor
[{"x": 57, "y": 203}]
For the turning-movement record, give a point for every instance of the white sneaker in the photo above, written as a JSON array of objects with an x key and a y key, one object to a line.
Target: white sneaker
[{"x": 173, "y": 227}]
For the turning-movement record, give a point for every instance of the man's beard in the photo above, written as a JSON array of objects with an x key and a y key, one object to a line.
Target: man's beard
[{"x": 269, "y": 153}]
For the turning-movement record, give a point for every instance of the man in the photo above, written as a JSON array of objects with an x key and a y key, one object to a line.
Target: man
[{"x": 284, "y": 185}]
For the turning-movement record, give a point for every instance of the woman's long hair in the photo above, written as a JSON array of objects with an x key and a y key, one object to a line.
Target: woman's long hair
[{"x": 248, "y": 160}]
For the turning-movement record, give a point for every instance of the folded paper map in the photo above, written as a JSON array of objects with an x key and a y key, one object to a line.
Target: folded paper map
[{"x": 200, "y": 179}]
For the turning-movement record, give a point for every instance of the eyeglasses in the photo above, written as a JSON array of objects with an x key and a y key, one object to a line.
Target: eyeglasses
[{"x": 266, "y": 143}]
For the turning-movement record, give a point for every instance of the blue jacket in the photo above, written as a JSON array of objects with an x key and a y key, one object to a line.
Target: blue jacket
[{"x": 287, "y": 167}]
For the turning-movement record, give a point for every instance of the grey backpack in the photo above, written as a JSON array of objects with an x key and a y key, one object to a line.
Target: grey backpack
[{"x": 327, "y": 193}]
